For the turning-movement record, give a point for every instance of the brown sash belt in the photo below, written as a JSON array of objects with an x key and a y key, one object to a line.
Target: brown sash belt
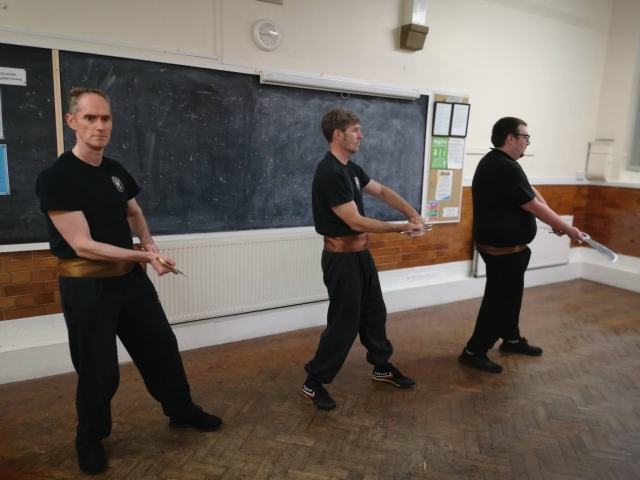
[
  {"x": 84, "y": 267},
  {"x": 488, "y": 249},
  {"x": 351, "y": 243}
]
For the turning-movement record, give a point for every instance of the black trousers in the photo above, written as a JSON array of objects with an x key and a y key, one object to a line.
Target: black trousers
[
  {"x": 356, "y": 307},
  {"x": 95, "y": 311},
  {"x": 499, "y": 315}
]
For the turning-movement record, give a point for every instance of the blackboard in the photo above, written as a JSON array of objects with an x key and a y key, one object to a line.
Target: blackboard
[
  {"x": 218, "y": 151},
  {"x": 28, "y": 118},
  {"x": 212, "y": 150}
]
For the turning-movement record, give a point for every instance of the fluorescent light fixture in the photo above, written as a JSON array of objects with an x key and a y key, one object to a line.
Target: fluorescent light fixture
[{"x": 335, "y": 84}]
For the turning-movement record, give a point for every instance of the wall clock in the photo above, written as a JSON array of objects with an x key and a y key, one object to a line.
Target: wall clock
[{"x": 266, "y": 34}]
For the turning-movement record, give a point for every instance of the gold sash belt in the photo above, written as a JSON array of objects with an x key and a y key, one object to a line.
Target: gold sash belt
[
  {"x": 489, "y": 250},
  {"x": 84, "y": 267},
  {"x": 351, "y": 243}
]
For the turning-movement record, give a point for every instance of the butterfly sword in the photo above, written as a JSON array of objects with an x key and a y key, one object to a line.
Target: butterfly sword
[
  {"x": 598, "y": 247},
  {"x": 173, "y": 270}
]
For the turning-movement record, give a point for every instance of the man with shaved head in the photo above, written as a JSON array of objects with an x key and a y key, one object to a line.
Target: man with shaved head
[{"x": 90, "y": 208}]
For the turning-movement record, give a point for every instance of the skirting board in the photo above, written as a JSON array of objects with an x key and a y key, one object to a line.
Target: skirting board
[{"x": 38, "y": 346}]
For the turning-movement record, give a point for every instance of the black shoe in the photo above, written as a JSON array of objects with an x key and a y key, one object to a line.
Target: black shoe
[
  {"x": 522, "y": 347},
  {"x": 90, "y": 456},
  {"x": 389, "y": 373},
  {"x": 315, "y": 392},
  {"x": 481, "y": 362},
  {"x": 198, "y": 419}
]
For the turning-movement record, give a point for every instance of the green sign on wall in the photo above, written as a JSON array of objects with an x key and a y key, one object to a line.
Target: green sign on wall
[{"x": 439, "y": 151}]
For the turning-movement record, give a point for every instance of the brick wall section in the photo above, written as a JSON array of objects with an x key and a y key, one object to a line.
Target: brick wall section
[
  {"x": 446, "y": 243},
  {"x": 613, "y": 218},
  {"x": 567, "y": 200},
  {"x": 28, "y": 285},
  {"x": 29, "y": 280}
]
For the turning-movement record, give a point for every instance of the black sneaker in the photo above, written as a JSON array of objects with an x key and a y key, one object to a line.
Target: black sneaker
[
  {"x": 315, "y": 392},
  {"x": 522, "y": 347},
  {"x": 481, "y": 362},
  {"x": 198, "y": 419},
  {"x": 389, "y": 373},
  {"x": 90, "y": 456}
]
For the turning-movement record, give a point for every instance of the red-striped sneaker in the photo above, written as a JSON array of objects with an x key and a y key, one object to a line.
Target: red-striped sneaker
[
  {"x": 315, "y": 392},
  {"x": 389, "y": 373}
]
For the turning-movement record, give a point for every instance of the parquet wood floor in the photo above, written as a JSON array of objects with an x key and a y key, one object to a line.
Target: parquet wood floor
[{"x": 572, "y": 413}]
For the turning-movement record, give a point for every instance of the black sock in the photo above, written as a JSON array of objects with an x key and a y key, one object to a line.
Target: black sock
[{"x": 310, "y": 379}]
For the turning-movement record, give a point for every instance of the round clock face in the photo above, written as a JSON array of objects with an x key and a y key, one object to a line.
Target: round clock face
[{"x": 266, "y": 34}]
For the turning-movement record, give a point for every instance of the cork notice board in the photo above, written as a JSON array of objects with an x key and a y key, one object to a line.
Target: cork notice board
[{"x": 446, "y": 160}]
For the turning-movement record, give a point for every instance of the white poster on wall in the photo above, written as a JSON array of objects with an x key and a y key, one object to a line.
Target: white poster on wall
[
  {"x": 442, "y": 119},
  {"x": 460, "y": 120},
  {"x": 13, "y": 76},
  {"x": 455, "y": 153},
  {"x": 450, "y": 212},
  {"x": 443, "y": 187}
]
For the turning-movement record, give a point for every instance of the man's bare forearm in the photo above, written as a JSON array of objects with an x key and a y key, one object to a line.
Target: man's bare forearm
[
  {"x": 102, "y": 251},
  {"x": 138, "y": 224},
  {"x": 370, "y": 225},
  {"x": 548, "y": 216},
  {"x": 396, "y": 202}
]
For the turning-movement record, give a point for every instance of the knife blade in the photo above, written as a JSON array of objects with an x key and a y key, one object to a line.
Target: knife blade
[
  {"x": 598, "y": 247},
  {"x": 426, "y": 228},
  {"x": 601, "y": 249}
]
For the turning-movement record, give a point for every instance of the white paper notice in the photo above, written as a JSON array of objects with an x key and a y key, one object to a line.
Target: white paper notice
[
  {"x": 455, "y": 154},
  {"x": 443, "y": 119},
  {"x": 13, "y": 76},
  {"x": 460, "y": 118},
  {"x": 450, "y": 212},
  {"x": 443, "y": 187}
]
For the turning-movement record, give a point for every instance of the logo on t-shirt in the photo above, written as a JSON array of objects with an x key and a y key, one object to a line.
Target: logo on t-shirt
[
  {"x": 118, "y": 184},
  {"x": 357, "y": 182}
]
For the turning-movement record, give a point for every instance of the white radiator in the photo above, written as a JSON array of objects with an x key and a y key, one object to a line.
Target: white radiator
[
  {"x": 240, "y": 272},
  {"x": 546, "y": 250}
]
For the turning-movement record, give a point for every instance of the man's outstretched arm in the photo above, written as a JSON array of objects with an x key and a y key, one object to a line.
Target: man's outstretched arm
[{"x": 394, "y": 200}]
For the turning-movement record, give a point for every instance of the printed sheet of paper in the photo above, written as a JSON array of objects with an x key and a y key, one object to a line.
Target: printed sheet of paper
[
  {"x": 460, "y": 118},
  {"x": 4, "y": 171},
  {"x": 443, "y": 119},
  {"x": 450, "y": 212},
  {"x": 13, "y": 76},
  {"x": 455, "y": 153},
  {"x": 443, "y": 187}
]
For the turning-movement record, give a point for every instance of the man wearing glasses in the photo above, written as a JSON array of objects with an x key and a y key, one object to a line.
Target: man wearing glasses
[{"x": 505, "y": 208}]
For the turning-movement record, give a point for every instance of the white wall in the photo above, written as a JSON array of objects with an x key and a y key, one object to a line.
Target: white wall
[
  {"x": 189, "y": 26},
  {"x": 618, "y": 98},
  {"x": 541, "y": 60}
]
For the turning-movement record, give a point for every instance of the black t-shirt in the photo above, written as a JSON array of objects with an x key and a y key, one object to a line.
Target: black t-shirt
[
  {"x": 101, "y": 193},
  {"x": 499, "y": 188},
  {"x": 336, "y": 184}
]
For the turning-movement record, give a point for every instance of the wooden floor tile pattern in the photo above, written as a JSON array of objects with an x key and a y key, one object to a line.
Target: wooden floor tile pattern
[{"x": 572, "y": 413}]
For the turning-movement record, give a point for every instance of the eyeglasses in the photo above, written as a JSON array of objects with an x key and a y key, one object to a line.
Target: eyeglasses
[{"x": 526, "y": 137}]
